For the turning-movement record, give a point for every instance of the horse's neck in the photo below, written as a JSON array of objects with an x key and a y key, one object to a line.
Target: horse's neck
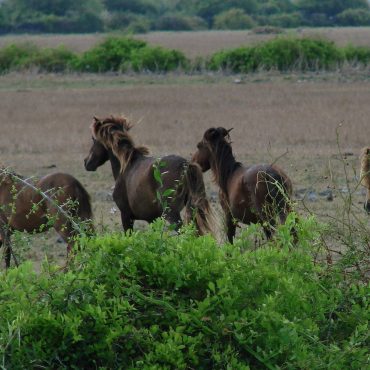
[
  {"x": 115, "y": 164},
  {"x": 223, "y": 165}
]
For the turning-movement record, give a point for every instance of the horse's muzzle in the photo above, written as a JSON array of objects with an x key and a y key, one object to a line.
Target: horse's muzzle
[{"x": 88, "y": 165}]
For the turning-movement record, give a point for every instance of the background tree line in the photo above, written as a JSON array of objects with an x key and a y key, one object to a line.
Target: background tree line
[{"x": 67, "y": 16}]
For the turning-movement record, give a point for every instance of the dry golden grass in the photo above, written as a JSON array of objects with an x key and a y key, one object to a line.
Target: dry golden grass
[{"x": 199, "y": 43}]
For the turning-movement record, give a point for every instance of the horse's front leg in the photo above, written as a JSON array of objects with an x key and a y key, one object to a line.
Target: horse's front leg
[{"x": 127, "y": 221}]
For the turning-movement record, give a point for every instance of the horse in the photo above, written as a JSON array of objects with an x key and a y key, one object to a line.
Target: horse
[
  {"x": 258, "y": 193},
  {"x": 30, "y": 206},
  {"x": 365, "y": 175},
  {"x": 146, "y": 187}
]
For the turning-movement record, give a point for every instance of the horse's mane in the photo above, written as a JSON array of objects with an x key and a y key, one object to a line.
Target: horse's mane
[
  {"x": 112, "y": 132},
  {"x": 365, "y": 167},
  {"x": 224, "y": 162},
  {"x": 122, "y": 121}
]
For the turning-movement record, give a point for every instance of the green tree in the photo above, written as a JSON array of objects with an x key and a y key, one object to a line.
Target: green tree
[
  {"x": 233, "y": 19},
  {"x": 207, "y": 9},
  {"x": 329, "y": 7},
  {"x": 133, "y": 6}
]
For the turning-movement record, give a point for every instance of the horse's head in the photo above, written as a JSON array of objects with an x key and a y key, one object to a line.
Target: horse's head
[
  {"x": 202, "y": 156},
  {"x": 210, "y": 139},
  {"x": 98, "y": 155}
]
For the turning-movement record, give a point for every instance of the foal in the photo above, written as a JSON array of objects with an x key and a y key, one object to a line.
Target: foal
[
  {"x": 137, "y": 191},
  {"x": 247, "y": 194},
  {"x": 365, "y": 175},
  {"x": 24, "y": 208}
]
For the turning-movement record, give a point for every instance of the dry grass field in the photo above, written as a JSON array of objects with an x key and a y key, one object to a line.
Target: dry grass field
[
  {"x": 200, "y": 43},
  {"x": 291, "y": 119}
]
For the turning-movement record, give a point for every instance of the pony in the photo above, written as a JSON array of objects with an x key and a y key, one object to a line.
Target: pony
[
  {"x": 365, "y": 175},
  {"x": 258, "y": 193},
  {"x": 29, "y": 206},
  {"x": 145, "y": 187}
]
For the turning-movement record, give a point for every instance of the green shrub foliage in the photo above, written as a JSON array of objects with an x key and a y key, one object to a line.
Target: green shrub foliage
[
  {"x": 118, "y": 54},
  {"x": 157, "y": 59},
  {"x": 154, "y": 300},
  {"x": 109, "y": 55},
  {"x": 286, "y": 54}
]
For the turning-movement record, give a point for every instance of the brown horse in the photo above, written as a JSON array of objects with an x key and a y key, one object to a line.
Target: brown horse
[
  {"x": 365, "y": 175},
  {"x": 26, "y": 206},
  {"x": 147, "y": 188},
  {"x": 247, "y": 194}
]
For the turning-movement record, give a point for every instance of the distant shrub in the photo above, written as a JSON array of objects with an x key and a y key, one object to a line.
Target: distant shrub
[
  {"x": 282, "y": 54},
  {"x": 14, "y": 56},
  {"x": 157, "y": 59},
  {"x": 233, "y": 19},
  {"x": 109, "y": 55},
  {"x": 59, "y": 59},
  {"x": 354, "y": 17},
  {"x": 176, "y": 22},
  {"x": 357, "y": 54}
]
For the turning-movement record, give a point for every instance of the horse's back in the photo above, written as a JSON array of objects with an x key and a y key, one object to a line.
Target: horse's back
[{"x": 67, "y": 187}]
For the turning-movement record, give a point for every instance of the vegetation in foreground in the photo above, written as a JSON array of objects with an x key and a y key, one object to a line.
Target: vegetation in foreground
[
  {"x": 121, "y": 54},
  {"x": 154, "y": 300}
]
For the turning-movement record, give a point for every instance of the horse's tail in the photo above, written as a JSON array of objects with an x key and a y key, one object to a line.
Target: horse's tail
[
  {"x": 365, "y": 175},
  {"x": 83, "y": 210},
  {"x": 279, "y": 192},
  {"x": 197, "y": 206}
]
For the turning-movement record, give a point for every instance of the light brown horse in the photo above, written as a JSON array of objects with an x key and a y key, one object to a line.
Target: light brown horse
[
  {"x": 252, "y": 194},
  {"x": 147, "y": 188},
  {"x": 25, "y": 206},
  {"x": 365, "y": 175}
]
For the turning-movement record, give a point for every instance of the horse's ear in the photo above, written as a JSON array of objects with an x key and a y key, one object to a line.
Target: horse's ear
[{"x": 223, "y": 132}]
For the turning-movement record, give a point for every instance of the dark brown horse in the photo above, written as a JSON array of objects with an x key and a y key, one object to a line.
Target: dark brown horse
[
  {"x": 252, "y": 194},
  {"x": 58, "y": 200},
  {"x": 365, "y": 175},
  {"x": 147, "y": 188}
]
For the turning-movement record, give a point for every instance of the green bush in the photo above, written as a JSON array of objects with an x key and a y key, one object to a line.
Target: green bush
[
  {"x": 109, "y": 55},
  {"x": 157, "y": 59},
  {"x": 154, "y": 300},
  {"x": 59, "y": 59},
  {"x": 282, "y": 54},
  {"x": 233, "y": 19},
  {"x": 357, "y": 54},
  {"x": 14, "y": 57}
]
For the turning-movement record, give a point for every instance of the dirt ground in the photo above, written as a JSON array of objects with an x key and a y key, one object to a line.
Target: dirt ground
[{"x": 312, "y": 125}]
